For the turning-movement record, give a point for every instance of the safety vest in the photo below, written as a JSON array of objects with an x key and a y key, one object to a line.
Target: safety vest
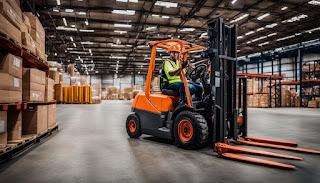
[{"x": 167, "y": 66}]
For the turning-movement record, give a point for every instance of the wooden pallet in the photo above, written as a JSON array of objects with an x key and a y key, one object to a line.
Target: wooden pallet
[
  {"x": 16, "y": 147},
  {"x": 16, "y": 105}
]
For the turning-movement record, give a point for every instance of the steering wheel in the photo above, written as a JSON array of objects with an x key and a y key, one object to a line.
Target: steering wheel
[{"x": 198, "y": 72}]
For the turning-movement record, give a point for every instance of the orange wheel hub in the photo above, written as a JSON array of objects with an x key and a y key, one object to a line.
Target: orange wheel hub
[
  {"x": 132, "y": 126},
  {"x": 185, "y": 130}
]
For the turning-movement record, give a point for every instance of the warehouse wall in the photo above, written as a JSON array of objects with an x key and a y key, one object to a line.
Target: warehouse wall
[
  {"x": 123, "y": 82},
  {"x": 287, "y": 66}
]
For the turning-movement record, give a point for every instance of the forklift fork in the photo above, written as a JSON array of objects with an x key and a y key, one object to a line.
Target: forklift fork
[{"x": 228, "y": 151}]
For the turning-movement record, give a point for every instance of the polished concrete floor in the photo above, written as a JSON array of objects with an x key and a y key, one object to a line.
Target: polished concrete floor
[{"x": 92, "y": 146}]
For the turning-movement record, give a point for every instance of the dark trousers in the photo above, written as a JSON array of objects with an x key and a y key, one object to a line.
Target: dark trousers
[{"x": 193, "y": 89}]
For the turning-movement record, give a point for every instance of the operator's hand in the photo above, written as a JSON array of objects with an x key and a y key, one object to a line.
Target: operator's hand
[{"x": 184, "y": 64}]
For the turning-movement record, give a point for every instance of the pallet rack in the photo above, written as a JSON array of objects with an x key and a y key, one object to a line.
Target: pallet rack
[
  {"x": 29, "y": 60},
  {"x": 271, "y": 79}
]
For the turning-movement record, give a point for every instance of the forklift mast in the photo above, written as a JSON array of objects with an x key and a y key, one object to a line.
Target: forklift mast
[{"x": 222, "y": 52}]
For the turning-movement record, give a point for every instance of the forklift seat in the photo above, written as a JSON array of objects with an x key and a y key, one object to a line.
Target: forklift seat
[
  {"x": 163, "y": 85},
  {"x": 170, "y": 92}
]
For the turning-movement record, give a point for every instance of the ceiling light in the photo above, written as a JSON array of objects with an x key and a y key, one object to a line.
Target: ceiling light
[
  {"x": 259, "y": 38},
  {"x": 123, "y": 25},
  {"x": 273, "y": 34},
  {"x": 118, "y": 57},
  {"x": 87, "y": 42},
  {"x": 74, "y": 44},
  {"x": 263, "y": 16},
  {"x": 142, "y": 46},
  {"x": 284, "y": 8},
  {"x": 284, "y": 38},
  {"x": 73, "y": 25},
  {"x": 55, "y": 10},
  {"x": 66, "y": 28},
  {"x": 165, "y": 16},
  {"x": 82, "y": 13},
  {"x": 295, "y": 18},
  {"x": 154, "y": 15},
  {"x": 69, "y": 10},
  {"x": 239, "y": 18},
  {"x": 239, "y": 37},
  {"x": 314, "y": 2},
  {"x": 151, "y": 28},
  {"x": 262, "y": 44},
  {"x": 260, "y": 29},
  {"x": 71, "y": 38},
  {"x": 65, "y": 21},
  {"x": 249, "y": 33},
  {"x": 234, "y": 1},
  {"x": 55, "y": 54},
  {"x": 311, "y": 30},
  {"x": 187, "y": 29},
  {"x": 125, "y": 1},
  {"x": 120, "y": 32},
  {"x": 86, "y": 22},
  {"x": 124, "y": 12},
  {"x": 90, "y": 51},
  {"x": 271, "y": 25},
  {"x": 58, "y": 2},
  {"x": 166, "y": 4},
  {"x": 86, "y": 30}
]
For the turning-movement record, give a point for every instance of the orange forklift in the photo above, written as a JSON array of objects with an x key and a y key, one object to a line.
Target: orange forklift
[{"x": 219, "y": 118}]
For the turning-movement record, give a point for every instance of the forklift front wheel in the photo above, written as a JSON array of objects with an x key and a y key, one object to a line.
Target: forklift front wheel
[
  {"x": 190, "y": 130},
  {"x": 133, "y": 126}
]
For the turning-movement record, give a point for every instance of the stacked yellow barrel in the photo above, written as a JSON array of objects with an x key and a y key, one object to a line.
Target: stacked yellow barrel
[{"x": 77, "y": 95}]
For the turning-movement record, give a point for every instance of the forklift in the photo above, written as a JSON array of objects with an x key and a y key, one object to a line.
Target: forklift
[{"x": 219, "y": 119}]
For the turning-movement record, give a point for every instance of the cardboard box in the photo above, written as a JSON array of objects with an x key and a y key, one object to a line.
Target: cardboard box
[
  {"x": 32, "y": 75},
  {"x": 13, "y": 16},
  {"x": 28, "y": 42},
  {"x": 7, "y": 96},
  {"x": 12, "y": 65},
  {"x": 49, "y": 93},
  {"x": 26, "y": 22},
  {"x": 35, "y": 120},
  {"x": 58, "y": 92},
  {"x": 14, "y": 125},
  {"x": 3, "y": 129},
  {"x": 52, "y": 110},
  {"x": 10, "y": 30},
  {"x": 54, "y": 75},
  {"x": 37, "y": 31},
  {"x": 8, "y": 82}
]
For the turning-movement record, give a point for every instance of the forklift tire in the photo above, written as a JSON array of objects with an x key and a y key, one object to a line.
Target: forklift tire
[
  {"x": 133, "y": 126},
  {"x": 190, "y": 130}
]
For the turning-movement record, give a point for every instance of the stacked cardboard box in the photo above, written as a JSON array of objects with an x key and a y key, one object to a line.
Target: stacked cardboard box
[
  {"x": 55, "y": 75},
  {"x": 112, "y": 93},
  {"x": 3, "y": 129},
  {"x": 35, "y": 120},
  {"x": 27, "y": 40},
  {"x": 312, "y": 104},
  {"x": 38, "y": 35},
  {"x": 49, "y": 91},
  {"x": 11, "y": 20},
  {"x": 14, "y": 123},
  {"x": 263, "y": 100},
  {"x": 34, "y": 82},
  {"x": 285, "y": 97},
  {"x": 58, "y": 92},
  {"x": 10, "y": 79},
  {"x": 52, "y": 121}
]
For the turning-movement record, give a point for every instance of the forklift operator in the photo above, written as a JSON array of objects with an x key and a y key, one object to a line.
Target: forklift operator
[{"x": 172, "y": 69}]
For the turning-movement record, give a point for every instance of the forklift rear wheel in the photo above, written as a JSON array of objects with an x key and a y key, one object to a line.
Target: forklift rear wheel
[
  {"x": 190, "y": 130},
  {"x": 133, "y": 126}
]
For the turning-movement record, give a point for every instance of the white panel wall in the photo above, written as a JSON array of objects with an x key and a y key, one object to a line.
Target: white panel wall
[{"x": 123, "y": 82}]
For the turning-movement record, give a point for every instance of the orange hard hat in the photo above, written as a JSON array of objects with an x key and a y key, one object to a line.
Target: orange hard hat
[{"x": 175, "y": 48}]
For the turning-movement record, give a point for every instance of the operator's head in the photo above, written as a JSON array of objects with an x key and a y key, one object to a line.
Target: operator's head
[{"x": 174, "y": 52}]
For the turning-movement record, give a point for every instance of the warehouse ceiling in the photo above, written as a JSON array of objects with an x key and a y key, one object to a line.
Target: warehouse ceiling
[{"x": 113, "y": 34}]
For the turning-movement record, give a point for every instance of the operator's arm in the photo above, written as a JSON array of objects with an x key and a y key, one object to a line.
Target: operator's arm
[{"x": 175, "y": 72}]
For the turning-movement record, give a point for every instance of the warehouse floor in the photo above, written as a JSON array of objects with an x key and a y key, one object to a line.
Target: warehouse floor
[{"x": 92, "y": 146}]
